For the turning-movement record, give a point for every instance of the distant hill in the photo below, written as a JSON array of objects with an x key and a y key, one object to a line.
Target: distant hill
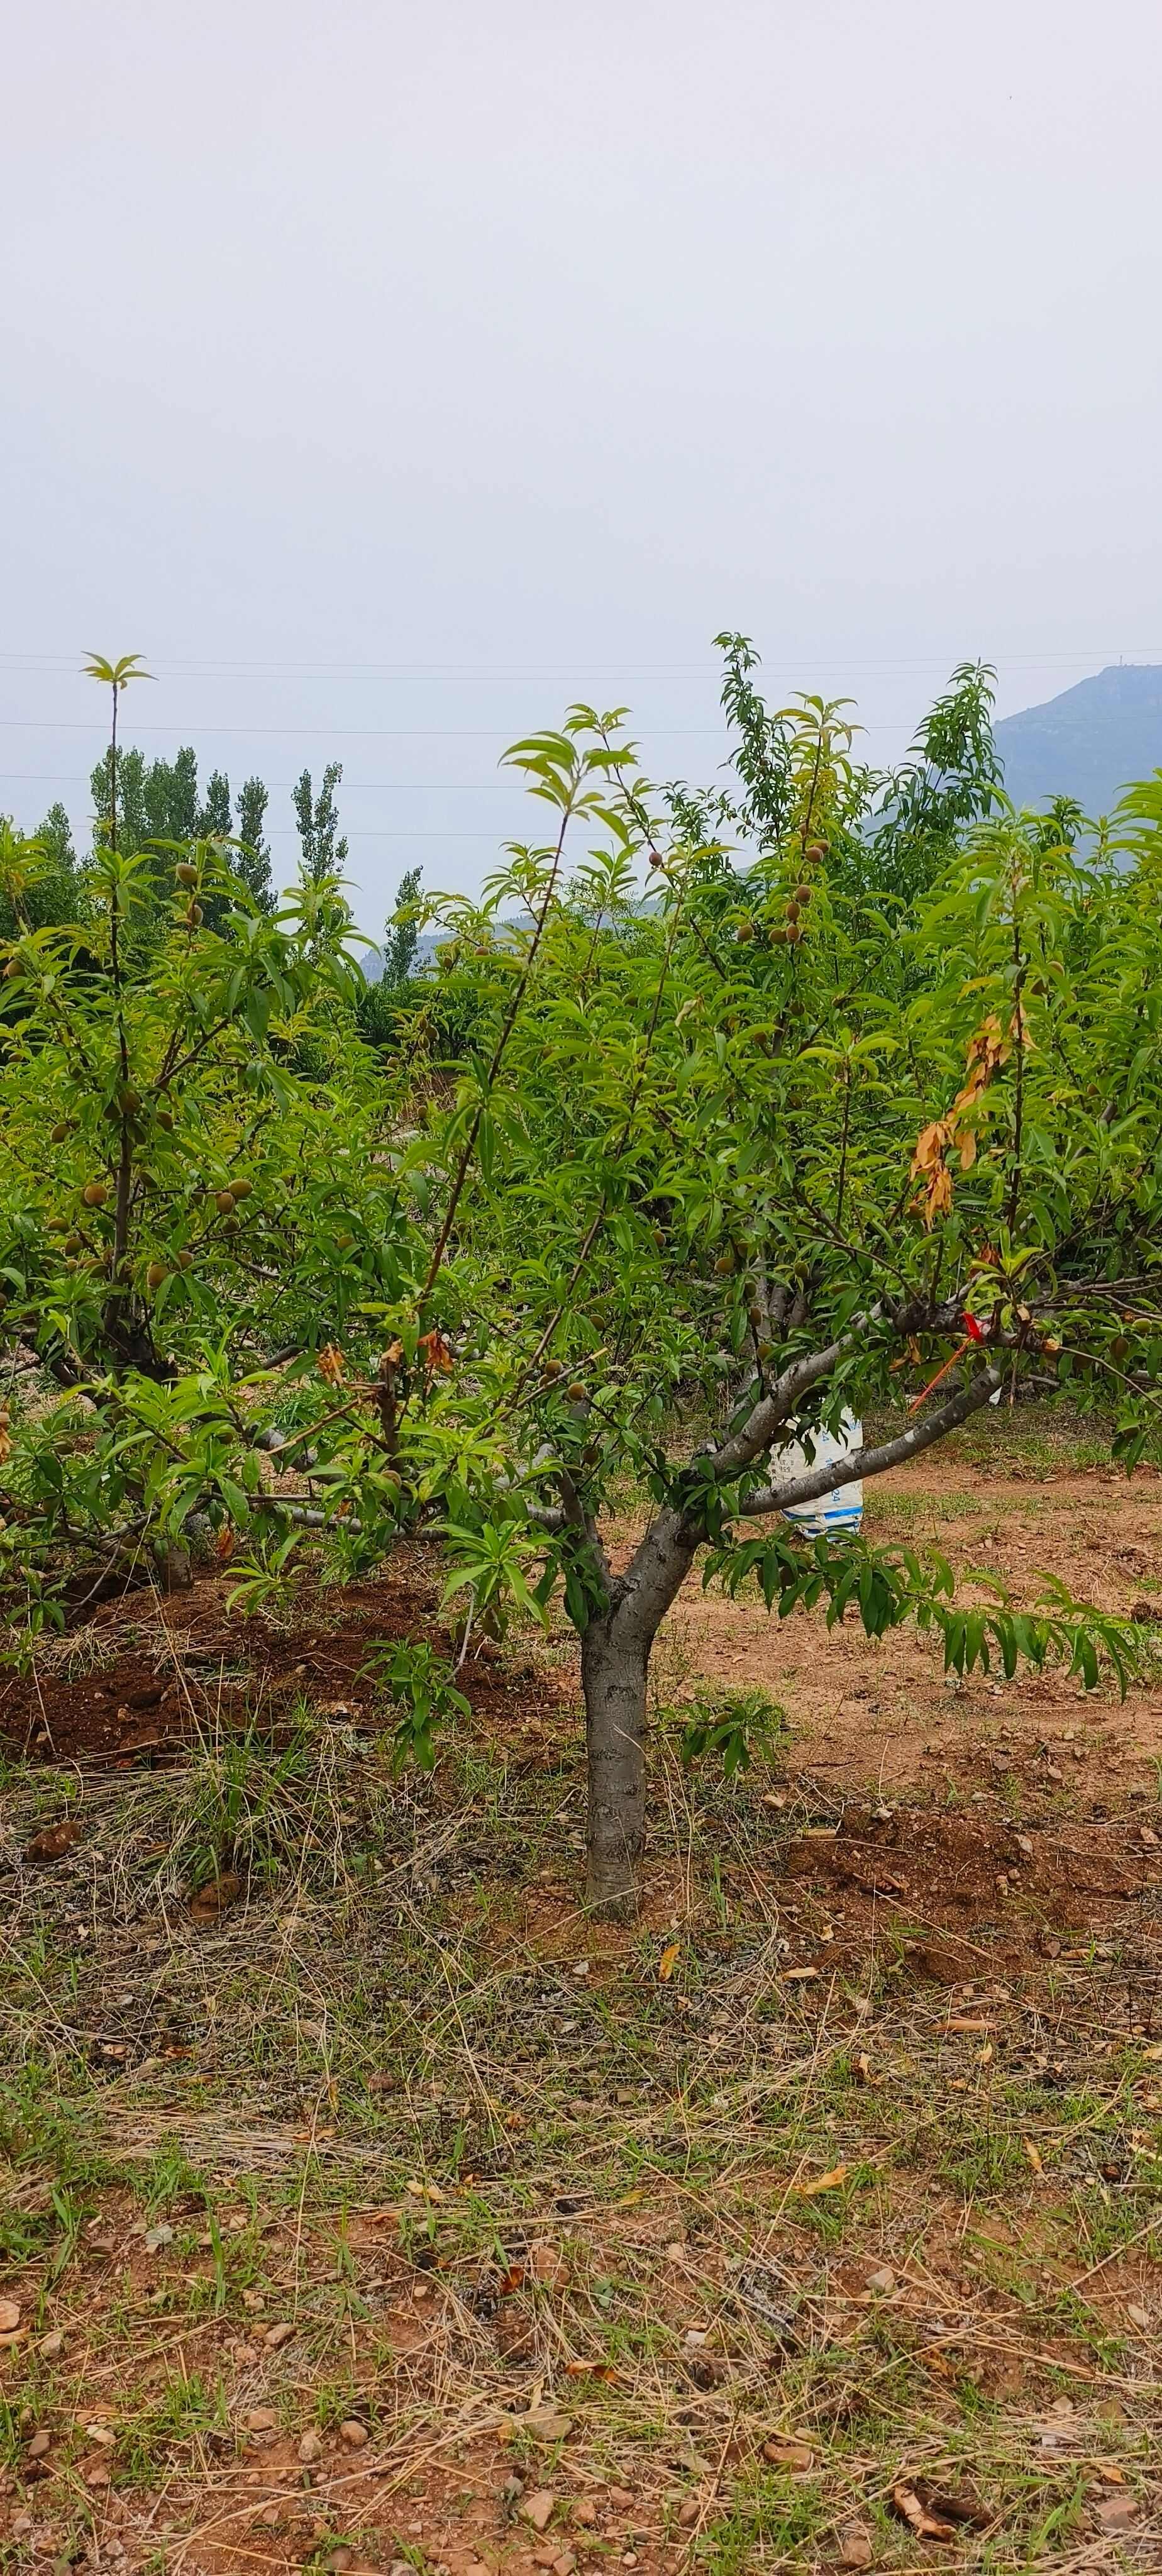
[{"x": 1088, "y": 743}]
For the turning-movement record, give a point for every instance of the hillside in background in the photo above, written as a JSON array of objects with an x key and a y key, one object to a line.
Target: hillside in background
[{"x": 1087, "y": 743}]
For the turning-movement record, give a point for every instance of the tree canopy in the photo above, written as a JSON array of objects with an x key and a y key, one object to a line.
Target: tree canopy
[{"x": 776, "y": 1145}]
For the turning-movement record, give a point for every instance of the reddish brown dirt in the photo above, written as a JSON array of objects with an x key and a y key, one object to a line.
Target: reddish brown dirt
[
  {"x": 883, "y": 1714},
  {"x": 159, "y": 1667},
  {"x": 989, "y": 1819},
  {"x": 262, "y": 2496}
]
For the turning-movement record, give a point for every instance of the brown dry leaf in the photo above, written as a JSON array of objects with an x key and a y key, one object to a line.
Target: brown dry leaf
[
  {"x": 435, "y": 1353},
  {"x": 927, "y": 2526},
  {"x": 785, "y": 2451},
  {"x": 668, "y": 1961},
  {"x": 855, "y": 2547},
  {"x": 831, "y": 2181},
  {"x": 1034, "y": 2155},
  {"x": 929, "y": 1147},
  {"x": 939, "y": 2509},
  {"x": 546, "y": 2424},
  {"x": 208, "y": 1902},
  {"x": 1115, "y": 2512}
]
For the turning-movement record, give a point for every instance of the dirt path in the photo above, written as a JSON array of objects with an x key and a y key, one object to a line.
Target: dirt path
[{"x": 881, "y": 1715}]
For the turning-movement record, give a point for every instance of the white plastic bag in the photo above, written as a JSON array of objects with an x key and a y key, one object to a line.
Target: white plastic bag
[{"x": 840, "y": 1510}]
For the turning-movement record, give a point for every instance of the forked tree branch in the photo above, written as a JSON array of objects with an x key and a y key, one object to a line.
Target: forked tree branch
[{"x": 873, "y": 1462}]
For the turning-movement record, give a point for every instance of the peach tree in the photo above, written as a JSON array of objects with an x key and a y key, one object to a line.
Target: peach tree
[
  {"x": 715, "y": 1171},
  {"x": 761, "y": 1155}
]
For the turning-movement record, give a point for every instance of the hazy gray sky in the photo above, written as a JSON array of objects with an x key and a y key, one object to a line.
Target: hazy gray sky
[{"x": 534, "y": 345}]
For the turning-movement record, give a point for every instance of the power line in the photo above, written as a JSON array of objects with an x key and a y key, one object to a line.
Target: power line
[
  {"x": 346, "y": 733},
  {"x": 50, "y": 664},
  {"x": 279, "y": 786}
]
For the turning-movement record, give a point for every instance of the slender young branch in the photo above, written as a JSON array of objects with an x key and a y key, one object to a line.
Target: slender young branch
[
  {"x": 125, "y": 1151},
  {"x": 809, "y": 808},
  {"x": 627, "y": 1124},
  {"x": 843, "y": 1143},
  {"x": 510, "y": 1019},
  {"x": 1019, "y": 1046}
]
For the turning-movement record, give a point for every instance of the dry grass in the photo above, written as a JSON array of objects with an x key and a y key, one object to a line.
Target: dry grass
[{"x": 549, "y": 2206}]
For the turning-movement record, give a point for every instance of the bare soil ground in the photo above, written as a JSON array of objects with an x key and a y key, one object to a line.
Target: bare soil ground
[{"x": 365, "y": 2205}]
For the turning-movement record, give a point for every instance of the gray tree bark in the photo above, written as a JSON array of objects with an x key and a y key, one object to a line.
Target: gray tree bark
[
  {"x": 615, "y": 1657},
  {"x": 614, "y": 1664},
  {"x": 616, "y": 1646}
]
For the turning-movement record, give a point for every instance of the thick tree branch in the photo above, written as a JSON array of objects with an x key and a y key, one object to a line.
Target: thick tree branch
[
  {"x": 786, "y": 1391},
  {"x": 872, "y": 1462}
]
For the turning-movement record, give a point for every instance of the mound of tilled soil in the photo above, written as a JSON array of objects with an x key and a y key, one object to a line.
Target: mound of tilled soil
[
  {"x": 148, "y": 1673},
  {"x": 946, "y": 1876}
]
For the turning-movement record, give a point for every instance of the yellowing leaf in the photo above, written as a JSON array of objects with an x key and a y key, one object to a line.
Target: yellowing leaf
[
  {"x": 1034, "y": 2155},
  {"x": 668, "y": 1961},
  {"x": 832, "y": 2181}
]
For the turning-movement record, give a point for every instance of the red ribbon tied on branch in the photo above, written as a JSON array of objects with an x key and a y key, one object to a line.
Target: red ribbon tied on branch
[{"x": 973, "y": 1332}]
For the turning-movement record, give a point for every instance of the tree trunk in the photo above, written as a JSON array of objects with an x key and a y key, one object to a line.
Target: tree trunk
[
  {"x": 614, "y": 1660},
  {"x": 615, "y": 1656}
]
